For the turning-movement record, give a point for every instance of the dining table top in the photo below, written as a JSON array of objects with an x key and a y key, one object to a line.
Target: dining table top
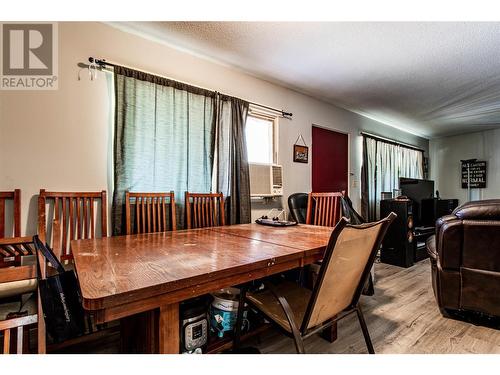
[
  {"x": 301, "y": 236},
  {"x": 112, "y": 270}
]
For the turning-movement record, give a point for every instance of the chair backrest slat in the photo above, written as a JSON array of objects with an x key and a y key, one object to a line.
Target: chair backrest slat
[
  {"x": 15, "y": 197},
  {"x": 15, "y": 328},
  {"x": 348, "y": 259},
  {"x": 17, "y": 263},
  {"x": 12, "y": 251},
  {"x": 147, "y": 212},
  {"x": 323, "y": 209},
  {"x": 204, "y": 210},
  {"x": 67, "y": 216},
  {"x": 6, "y": 341}
]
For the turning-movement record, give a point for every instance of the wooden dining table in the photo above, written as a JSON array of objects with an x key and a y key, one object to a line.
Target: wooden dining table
[{"x": 125, "y": 276}]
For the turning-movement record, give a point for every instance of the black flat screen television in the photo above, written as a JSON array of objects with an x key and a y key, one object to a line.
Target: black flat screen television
[{"x": 416, "y": 190}]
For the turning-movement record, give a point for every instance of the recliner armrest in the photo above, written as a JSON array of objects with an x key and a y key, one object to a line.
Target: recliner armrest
[
  {"x": 444, "y": 219},
  {"x": 431, "y": 248}
]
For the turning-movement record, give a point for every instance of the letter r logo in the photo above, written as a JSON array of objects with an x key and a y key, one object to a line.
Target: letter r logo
[{"x": 27, "y": 49}]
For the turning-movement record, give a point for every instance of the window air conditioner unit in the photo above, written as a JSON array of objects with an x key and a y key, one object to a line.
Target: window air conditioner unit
[{"x": 266, "y": 180}]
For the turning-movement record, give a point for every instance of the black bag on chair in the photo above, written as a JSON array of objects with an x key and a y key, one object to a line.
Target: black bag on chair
[{"x": 61, "y": 298}]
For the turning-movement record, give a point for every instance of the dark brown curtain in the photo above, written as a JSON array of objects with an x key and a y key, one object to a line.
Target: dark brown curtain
[
  {"x": 231, "y": 161},
  {"x": 368, "y": 180},
  {"x": 364, "y": 184}
]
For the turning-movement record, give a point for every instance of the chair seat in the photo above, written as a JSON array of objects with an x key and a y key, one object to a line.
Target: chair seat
[
  {"x": 296, "y": 296},
  {"x": 26, "y": 303}
]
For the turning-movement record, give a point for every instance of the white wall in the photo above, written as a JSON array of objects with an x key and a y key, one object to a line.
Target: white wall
[
  {"x": 61, "y": 140},
  {"x": 445, "y": 156}
]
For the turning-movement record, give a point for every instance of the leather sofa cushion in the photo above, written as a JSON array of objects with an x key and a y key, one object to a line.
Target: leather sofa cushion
[
  {"x": 449, "y": 244},
  {"x": 431, "y": 248},
  {"x": 481, "y": 245},
  {"x": 480, "y": 291},
  {"x": 488, "y": 209}
]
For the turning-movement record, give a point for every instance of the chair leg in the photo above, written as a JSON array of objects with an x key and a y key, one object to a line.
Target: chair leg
[
  {"x": 89, "y": 322},
  {"x": 239, "y": 317},
  {"x": 364, "y": 328},
  {"x": 299, "y": 344}
]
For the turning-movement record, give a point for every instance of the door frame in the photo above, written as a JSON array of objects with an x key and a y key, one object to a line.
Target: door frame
[{"x": 349, "y": 173}]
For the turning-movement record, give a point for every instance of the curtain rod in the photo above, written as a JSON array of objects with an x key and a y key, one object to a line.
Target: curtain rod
[
  {"x": 391, "y": 141},
  {"x": 103, "y": 63}
]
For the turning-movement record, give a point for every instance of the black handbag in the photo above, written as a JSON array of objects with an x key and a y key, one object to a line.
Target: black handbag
[{"x": 61, "y": 298}]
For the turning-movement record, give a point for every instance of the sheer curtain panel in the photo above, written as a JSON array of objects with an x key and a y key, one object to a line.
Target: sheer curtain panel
[
  {"x": 383, "y": 164},
  {"x": 164, "y": 137}
]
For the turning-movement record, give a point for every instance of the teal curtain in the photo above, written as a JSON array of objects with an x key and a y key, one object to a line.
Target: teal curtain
[{"x": 164, "y": 139}]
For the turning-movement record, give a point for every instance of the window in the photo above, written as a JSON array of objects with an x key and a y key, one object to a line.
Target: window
[
  {"x": 260, "y": 132},
  {"x": 384, "y": 164}
]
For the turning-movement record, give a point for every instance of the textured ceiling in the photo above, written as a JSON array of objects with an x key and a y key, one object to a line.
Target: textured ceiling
[{"x": 431, "y": 79}]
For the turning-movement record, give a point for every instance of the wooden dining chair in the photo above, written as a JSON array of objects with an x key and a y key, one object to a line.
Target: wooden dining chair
[
  {"x": 18, "y": 276},
  {"x": 66, "y": 216},
  {"x": 15, "y": 196},
  {"x": 149, "y": 212},
  {"x": 323, "y": 209},
  {"x": 204, "y": 210},
  {"x": 300, "y": 312},
  {"x": 17, "y": 259},
  {"x": 13, "y": 330}
]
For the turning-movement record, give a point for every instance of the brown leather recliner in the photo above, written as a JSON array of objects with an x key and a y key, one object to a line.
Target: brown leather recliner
[{"x": 465, "y": 258}]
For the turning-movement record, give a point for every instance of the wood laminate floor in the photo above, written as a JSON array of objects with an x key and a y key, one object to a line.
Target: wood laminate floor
[{"x": 402, "y": 317}]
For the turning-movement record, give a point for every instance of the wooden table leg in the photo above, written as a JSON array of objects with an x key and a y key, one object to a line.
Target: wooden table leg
[
  {"x": 168, "y": 329},
  {"x": 139, "y": 333},
  {"x": 42, "y": 343},
  {"x": 330, "y": 333}
]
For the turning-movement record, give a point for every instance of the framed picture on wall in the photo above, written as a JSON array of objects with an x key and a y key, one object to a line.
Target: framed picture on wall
[{"x": 300, "y": 154}]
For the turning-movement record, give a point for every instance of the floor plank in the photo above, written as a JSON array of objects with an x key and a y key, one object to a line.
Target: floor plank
[{"x": 402, "y": 317}]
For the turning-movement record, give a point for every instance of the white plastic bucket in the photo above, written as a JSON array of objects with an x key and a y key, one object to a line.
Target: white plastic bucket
[{"x": 224, "y": 311}]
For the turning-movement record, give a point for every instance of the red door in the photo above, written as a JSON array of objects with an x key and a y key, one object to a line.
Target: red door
[{"x": 330, "y": 155}]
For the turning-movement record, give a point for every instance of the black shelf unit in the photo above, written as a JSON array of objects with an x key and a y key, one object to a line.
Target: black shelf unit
[{"x": 404, "y": 244}]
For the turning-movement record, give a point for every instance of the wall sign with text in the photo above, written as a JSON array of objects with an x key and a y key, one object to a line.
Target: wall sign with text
[{"x": 477, "y": 175}]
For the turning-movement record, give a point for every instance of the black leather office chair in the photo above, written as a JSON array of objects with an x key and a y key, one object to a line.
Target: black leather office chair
[
  {"x": 349, "y": 211},
  {"x": 297, "y": 205},
  {"x": 356, "y": 219}
]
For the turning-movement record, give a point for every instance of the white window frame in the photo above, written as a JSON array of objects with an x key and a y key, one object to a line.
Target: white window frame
[{"x": 260, "y": 114}]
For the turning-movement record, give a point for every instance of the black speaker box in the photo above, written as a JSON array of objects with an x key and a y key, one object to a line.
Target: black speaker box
[
  {"x": 399, "y": 245},
  {"x": 434, "y": 208}
]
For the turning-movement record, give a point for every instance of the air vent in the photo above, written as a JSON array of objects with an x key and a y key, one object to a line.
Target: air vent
[
  {"x": 265, "y": 180},
  {"x": 277, "y": 176}
]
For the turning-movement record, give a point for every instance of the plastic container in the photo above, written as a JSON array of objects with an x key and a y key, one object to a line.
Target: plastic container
[{"x": 224, "y": 311}]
